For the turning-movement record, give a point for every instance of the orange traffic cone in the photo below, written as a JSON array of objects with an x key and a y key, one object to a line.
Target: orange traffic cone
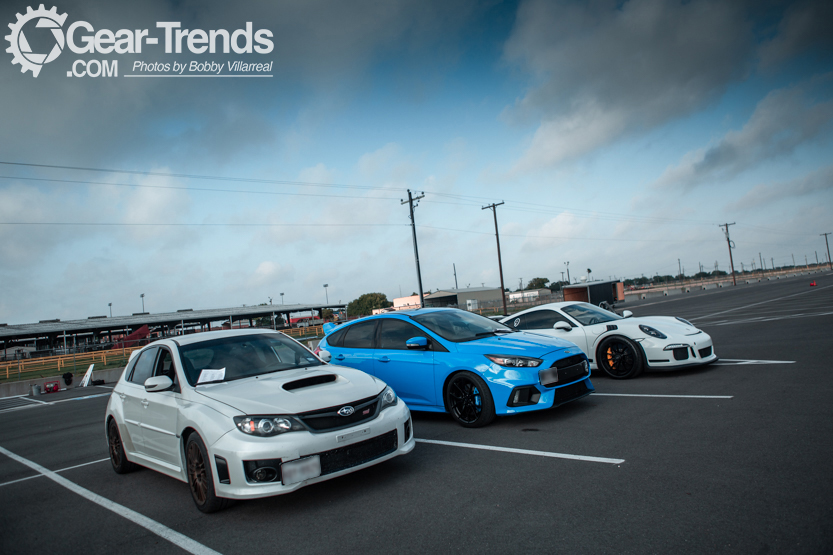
[{"x": 812, "y": 284}]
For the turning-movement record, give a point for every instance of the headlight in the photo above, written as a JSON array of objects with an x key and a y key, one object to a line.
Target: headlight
[
  {"x": 265, "y": 426},
  {"x": 648, "y": 330},
  {"x": 514, "y": 362},
  {"x": 389, "y": 398},
  {"x": 686, "y": 322}
]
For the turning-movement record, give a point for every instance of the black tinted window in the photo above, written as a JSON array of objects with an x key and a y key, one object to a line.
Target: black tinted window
[
  {"x": 360, "y": 336},
  {"x": 541, "y": 320},
  {"x": 165, "y": 365},
  {"x": 336, "y": 338},
  {"x": 395, "y": 333},
  {"x": 144, "y": 366}
]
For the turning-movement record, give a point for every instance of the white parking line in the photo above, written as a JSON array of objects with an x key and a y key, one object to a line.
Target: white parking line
[
  {"x": 741, "y": 361},
  {"x": 61, "y": 470},
  {"x": 160, "y": 530},
  {"x": 666, "y": 396},
  {"x": 522, "y": 451}
]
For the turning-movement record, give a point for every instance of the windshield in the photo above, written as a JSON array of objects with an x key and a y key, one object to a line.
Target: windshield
[
  {"x": 459, "y": 325},
  {"x": 587, "y": 314},
  {"x": 242, "y": 356}
]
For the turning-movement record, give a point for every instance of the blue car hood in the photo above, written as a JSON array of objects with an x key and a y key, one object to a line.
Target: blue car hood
[{"x": 518, "y": 343}]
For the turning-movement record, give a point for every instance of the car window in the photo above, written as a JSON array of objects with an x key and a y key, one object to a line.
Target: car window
[
  {"x": 360, "y": 336},
  {"x": 144, "y": 366},
  {"x": 459, "y": 325},
  {"x": 540, "y": 320},
  {"x": 243, "y": 356},
  {"x": 165, "y": 365},
  {"x": 586, "y": 314},
  {"x": 395, "y": 333},
  {"x": 336, "y": 338}
]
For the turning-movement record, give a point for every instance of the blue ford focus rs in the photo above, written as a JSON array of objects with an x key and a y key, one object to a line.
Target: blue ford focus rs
[{"x": 450, "y": 360}]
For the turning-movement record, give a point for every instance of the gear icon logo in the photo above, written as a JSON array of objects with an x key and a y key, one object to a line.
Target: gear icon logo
[{"x": 19, "y": 46}]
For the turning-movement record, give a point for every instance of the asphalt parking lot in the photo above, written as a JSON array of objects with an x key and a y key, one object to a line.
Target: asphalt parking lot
[{"x": 734, "y": 457}]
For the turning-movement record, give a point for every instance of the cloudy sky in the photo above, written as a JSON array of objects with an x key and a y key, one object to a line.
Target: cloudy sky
[{"x": 619, "y": 134}]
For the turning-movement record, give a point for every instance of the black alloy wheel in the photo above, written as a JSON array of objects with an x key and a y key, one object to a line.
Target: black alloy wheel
[
  {"x": 200, "y": 478},
  {"x": 117, "y": 457},
  {"x": 469, "y": 400},
  {"x": 620, "y": 358}
]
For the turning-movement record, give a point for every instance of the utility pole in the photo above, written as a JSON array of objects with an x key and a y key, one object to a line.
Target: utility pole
[
  {"x": 568, "y": 270},
  {"x": 763, "y": 267},
  {"x": 793, "y": 260},
  {"x": 829, "y": 263},
  {"x": 562, "y": 276},
  {"x": 679, "y": 268},
  {"x": 493, "y": 207},
  {"x": 410, "y": 202},
  {"x": 455, "y": 277},
  {"x": 729, "y": 243},
  {"x": 772, "y": 262}
]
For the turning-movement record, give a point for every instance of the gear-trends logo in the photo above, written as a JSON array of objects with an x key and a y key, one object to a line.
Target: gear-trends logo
[{"x": 40, "y": 18}]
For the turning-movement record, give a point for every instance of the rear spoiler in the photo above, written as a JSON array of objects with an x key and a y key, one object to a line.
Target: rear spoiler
[{"x": 330, "y": 326}]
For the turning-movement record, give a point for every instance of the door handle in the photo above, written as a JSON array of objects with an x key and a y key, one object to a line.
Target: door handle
[
  {"x": 145, "y": 403},
  {"x": 339, "y": 357},
  {"x": 122, "y": 395},
  {"x": 384, "y": 359}
]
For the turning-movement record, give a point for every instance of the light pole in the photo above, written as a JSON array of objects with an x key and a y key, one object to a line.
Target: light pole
[
  {"x": 270, "y": 301},
  {"x": 111, "y": 309},
  {"x": 568, "y": 271},
  {"x": 326, "y": 295},
  {"x": 281, "y": 298},
  {"x": 143, "y": 302}
]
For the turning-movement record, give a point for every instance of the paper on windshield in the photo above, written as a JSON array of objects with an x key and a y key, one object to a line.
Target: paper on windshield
[{"x": 210, "y": 375}]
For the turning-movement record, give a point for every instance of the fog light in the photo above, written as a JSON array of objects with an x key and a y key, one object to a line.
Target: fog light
[
  {"x": 523, "y": 396},
  {"x": 265, "y": 474}
]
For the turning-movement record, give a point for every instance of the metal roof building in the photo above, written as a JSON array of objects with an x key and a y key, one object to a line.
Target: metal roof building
[{"x": 50, "y": 333}]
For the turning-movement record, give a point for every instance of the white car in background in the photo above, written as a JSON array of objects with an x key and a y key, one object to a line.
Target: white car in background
[
  {"x": 621, "y": 346},
  {"x": 245, "y": 414}
]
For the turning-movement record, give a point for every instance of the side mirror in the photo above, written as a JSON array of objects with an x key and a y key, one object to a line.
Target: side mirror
[
  {"x": 158, "y": 383},
  {"x": 325, "y": 356},
  {"x": 562, "y": 325},
  {"x": 417, "y": 343},
  {"x": 627, "y": 314}
]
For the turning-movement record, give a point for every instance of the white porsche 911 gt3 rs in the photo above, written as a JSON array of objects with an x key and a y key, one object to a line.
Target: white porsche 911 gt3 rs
[
  {"x": 248, "y": 414},
  {"x": 621, "y": 346}
]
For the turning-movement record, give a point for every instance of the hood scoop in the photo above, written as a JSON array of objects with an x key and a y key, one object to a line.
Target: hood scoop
[{"x": 309, "y": 382}]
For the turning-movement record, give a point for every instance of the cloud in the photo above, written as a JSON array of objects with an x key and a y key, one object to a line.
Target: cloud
[
  {"x": 819, "y": 181},
  {"x": 804, "y": 27},
  {"x": 783, "y": 121},
  {"x": 604, "y": 68}
]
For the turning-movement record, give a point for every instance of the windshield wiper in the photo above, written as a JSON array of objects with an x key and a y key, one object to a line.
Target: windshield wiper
[
  {"x": 212, "y": 381},
  {"x": 482, "y": 333}
]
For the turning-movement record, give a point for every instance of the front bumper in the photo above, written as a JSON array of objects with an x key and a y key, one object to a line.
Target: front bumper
[
  {"x": 672, "y": 354},
  {"x": 235, "y": 448}
]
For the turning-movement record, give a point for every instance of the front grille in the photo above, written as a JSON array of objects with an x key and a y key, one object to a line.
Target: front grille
[
  {"x": 567, "y": 370},
  {"x": 569, "y": 361},
  {"x": 707, "y": 352},
  {"x": 681, "y": 353},
  {"x": 569, "y": 393},
  {"x": 358, "y": 453},
  {"x": 325, "y": 420}
]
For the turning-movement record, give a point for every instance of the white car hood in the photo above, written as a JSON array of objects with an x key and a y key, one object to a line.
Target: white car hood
[
  {"x": 265, "y": 394},
  {"x": 666, "y": 324}
]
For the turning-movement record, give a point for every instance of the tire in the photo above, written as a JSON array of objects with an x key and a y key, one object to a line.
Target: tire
[
  {"x": 620, "y": 358},
  {"x": 469, "y": 400},
  {"x": 117, "y": 457},
  {"x": 201, "y": 478}
]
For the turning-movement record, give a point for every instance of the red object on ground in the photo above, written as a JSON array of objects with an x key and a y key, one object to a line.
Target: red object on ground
[
  {"x": 813, "y": 284},
  {"x": 51, "y": 387}
]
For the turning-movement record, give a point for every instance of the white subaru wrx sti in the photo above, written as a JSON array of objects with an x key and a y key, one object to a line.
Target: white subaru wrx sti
[
  {"x": 248, "y": 414},
  {"x": 620, "y": 346}
]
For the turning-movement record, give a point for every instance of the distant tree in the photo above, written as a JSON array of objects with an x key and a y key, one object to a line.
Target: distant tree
[
  {"x": 718, "y": 273},
  {"x": 365, "y": 304},
  {"x": 327, "y": 314},
  {"x": 537, "y": 283}
]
